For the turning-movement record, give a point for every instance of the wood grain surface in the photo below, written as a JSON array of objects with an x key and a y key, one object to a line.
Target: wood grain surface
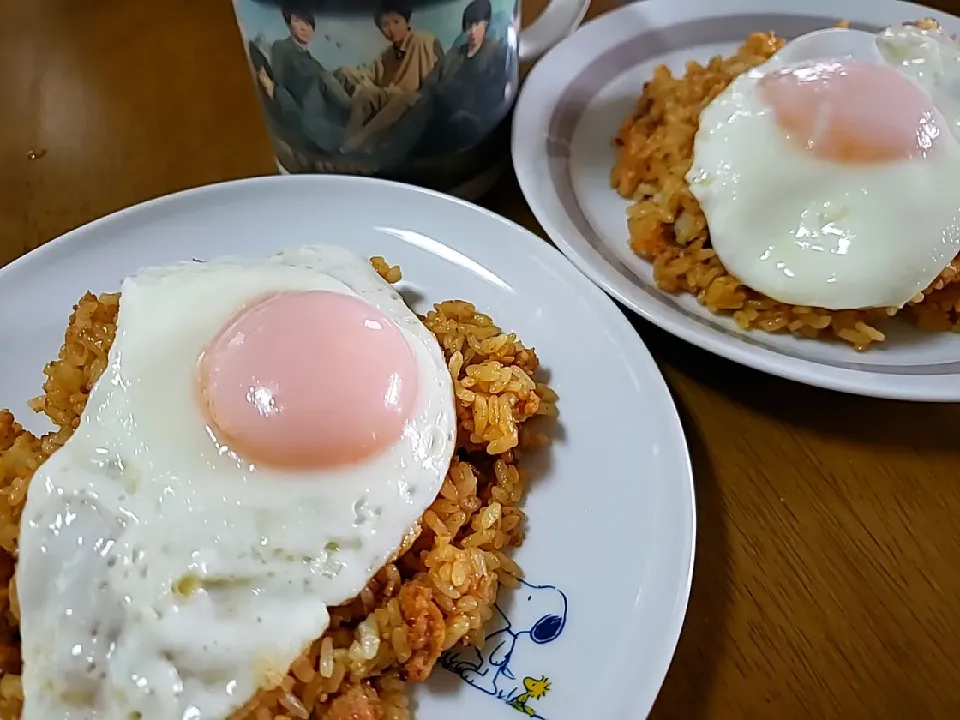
[{"x": 826, "y": 581}]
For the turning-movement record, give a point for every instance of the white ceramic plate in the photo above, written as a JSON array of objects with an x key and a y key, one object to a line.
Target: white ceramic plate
[
  {"x": 612, "y": 521},
  {"x": 572, "y": 105}
]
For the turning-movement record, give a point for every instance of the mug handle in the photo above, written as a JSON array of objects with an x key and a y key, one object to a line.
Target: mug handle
[{"x": 558, "y": 19}]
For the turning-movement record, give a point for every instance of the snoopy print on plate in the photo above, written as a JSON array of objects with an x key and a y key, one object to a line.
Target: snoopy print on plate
[{"x": 508, "y": 665}]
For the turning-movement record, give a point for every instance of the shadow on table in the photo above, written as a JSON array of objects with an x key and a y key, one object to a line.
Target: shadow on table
[
  {"x": 920, "y": 427},
  {"x": 879, "y": 423},
  {"x": 686, "y": 687}
]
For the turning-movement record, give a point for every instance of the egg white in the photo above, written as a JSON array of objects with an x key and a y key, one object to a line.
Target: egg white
[
  {"x": 162, "y": 577},
  {"x": 930, "y": 58},
  {"x": 806, "y": 231}
]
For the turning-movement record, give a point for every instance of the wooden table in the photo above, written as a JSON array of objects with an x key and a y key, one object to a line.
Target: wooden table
[{"x": 827, "y": 581}]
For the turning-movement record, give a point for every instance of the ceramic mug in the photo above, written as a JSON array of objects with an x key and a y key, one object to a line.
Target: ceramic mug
[{"x": 414, "y": 90}]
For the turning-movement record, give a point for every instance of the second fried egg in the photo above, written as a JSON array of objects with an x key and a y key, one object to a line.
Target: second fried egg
[{"x": 828, "y": 176}]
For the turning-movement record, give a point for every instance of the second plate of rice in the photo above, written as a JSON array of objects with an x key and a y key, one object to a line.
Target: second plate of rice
[{"x": 618, "y": 104}]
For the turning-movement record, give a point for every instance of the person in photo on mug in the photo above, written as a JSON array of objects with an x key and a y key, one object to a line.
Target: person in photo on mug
[
  {"x": 468, "y": 85},
  {"x": 310, "y": 100},
  {"x": 390, "y": 85}
]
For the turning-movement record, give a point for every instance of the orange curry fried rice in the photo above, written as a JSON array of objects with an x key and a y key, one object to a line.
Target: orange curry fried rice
[
  {"x": 666, "y": 225},
  {"x": 438, "y": 592}
]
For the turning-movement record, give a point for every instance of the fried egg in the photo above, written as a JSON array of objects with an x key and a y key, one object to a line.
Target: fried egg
[
  {"x": 262, "y": 440},
  {"x": 828, "y": 174}
]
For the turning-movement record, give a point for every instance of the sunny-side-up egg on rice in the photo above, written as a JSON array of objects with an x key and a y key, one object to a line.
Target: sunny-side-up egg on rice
[
  {"x": 263, "y": 439},
  {"x": 829, "y": 175}
]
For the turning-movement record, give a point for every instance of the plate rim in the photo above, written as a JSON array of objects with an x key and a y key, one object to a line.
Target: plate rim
[
  {"x": 620, "y": 330},
  {"x": 537, "y": 100}
]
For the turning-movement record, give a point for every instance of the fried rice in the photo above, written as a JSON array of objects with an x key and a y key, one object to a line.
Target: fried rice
[
  {"x": 438, "y": 592},
  {"x": 654, "y": 148}
]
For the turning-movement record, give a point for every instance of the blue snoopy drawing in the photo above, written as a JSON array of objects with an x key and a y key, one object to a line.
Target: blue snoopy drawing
[{"x": 506, "y": 666}]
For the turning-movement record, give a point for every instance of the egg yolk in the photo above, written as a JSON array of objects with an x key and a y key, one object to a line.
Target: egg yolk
[
  {"x": 307, "y": 380},
  {"x": 851, "y": 112}
]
